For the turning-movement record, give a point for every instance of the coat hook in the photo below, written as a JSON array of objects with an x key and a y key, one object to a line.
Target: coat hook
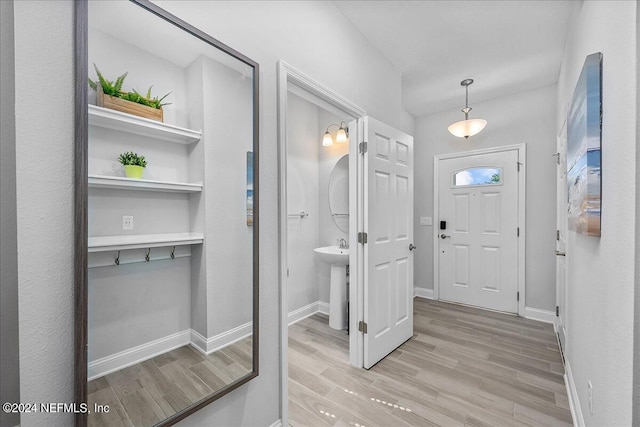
[
  {"x": 146, "y": 257},
  {"x": 173, "y": 252},
  {"x": 117, "y": 260}
]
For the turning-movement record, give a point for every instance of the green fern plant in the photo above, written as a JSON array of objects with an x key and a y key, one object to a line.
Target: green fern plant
[
  {"x": 130, "y": 158},
  {"x": 114, "y": 88},
  {"x": 147, "y": 100},
  {"x": 108, "y": 87}
]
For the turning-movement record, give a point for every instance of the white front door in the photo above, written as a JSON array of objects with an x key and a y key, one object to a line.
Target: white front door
[
  {"x": 478, "y": 230},
  {"x": 388, "y": 222},
  {"x": 561, "y": 233}
]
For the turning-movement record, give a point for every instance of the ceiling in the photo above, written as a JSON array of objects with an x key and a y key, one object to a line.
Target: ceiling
[{"x": 505, "y": 46}]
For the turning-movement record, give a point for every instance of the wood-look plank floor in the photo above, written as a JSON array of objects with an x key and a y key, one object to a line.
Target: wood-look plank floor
[
  {"x": 144, "y": 394},
  {"x": 462, "y": 367}
]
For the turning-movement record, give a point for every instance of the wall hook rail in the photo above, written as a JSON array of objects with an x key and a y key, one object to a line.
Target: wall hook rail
[
  {"x": 117, "y": 260},
  {"x": 146, "y": 257}
]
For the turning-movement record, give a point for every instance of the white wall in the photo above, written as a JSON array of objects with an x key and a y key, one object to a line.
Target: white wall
[
  {"x": 527, "y": 117},
  {"x": 636, "y": 340},
  {"x": 44, "y": 190},
  {"x": 329, "y": 231},
  {"x": 131, "y": 305},
  {"x": 9, "y": 358},
  {"x": 266, "y": 32},
  {"x": 309, "y": 169},
  {"x": 302, "y": 195},
  {"x": 601, "y": 270}
]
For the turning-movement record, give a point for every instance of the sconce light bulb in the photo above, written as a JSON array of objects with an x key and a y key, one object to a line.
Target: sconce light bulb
[
  {"x": 327, "y": 140},
  {"x": 341, "y": 136}
]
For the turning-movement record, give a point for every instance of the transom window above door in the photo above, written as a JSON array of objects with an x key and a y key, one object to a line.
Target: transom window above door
[{"x": 477, "y": 176}]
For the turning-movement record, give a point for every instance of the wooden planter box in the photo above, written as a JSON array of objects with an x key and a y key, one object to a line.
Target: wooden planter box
[{"x": 119, "y": 104}]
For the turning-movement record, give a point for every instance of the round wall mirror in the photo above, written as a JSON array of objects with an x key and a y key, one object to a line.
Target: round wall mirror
[{"x": 339, "y": 194}]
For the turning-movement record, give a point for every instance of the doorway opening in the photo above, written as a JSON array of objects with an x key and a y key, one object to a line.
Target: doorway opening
[
  {"x": 295, "y": 89},
  {"x": 479, "y": 200},
  {"x": 376, "y": 166}
]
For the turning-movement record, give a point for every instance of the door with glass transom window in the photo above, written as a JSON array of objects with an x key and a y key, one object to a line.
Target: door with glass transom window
[{"x": 478, "y": 230}]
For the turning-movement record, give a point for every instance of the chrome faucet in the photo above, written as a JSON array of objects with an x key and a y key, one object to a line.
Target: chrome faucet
[{"x": 343, "y": 244}]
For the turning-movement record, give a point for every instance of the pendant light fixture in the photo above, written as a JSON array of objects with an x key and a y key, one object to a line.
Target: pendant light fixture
[
  {"x": 467, "y": 127},
  {"x": 341, "y": 137}
]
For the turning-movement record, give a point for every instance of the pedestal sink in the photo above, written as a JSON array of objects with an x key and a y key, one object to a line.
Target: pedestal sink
[{"x": 338, "y": 259}]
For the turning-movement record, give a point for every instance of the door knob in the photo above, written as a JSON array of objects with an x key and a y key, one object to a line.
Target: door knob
[
  {"x": 412, "y": 246},
  {"x": 444, "y": 236}
]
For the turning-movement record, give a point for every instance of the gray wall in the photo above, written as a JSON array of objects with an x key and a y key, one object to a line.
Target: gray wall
[
  {"x": 9, "y": 372},
  {"x": 45, "y": 198},
  {"x": 527, "y": 117},
  {"x": 600, "y": 271}
]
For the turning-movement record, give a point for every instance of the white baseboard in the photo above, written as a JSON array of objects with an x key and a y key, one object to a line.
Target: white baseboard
[
  {"x": 323, "y": 307},
  {"x": 307, "y": 310},
  {"x": 217, "y": 342},
  {"x": 115, "y": 362},
  {"x": 572, "y": 394},
  {"x": 123, "y": 359},
  {"x": 423, "y": 293},
  {"x": 278, "y": 423},
  {"x": 540, "y": 315}
]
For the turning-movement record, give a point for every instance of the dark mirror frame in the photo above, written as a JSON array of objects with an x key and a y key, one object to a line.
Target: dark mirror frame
[{"x": 81, "y": 207}]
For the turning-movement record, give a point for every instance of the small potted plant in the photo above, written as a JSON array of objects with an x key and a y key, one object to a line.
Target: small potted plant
[{"x": 133, "y": 164}]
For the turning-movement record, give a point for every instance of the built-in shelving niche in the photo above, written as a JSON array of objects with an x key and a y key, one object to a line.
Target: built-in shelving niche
[{"x": 139, "y": 126}]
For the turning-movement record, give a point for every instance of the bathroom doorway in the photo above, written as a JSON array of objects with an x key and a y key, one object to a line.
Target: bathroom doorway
[
  {"x": 307, "y": 218},
  {"x": 345, "y": 197}
]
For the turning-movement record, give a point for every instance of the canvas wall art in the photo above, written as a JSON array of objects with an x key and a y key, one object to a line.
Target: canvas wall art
[
  {"x": 584, "y": 130},
  {"x": 249, "y": 188}
]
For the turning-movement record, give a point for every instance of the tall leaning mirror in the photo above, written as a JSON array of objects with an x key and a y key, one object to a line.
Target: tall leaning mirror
[{"x": 167, "y": 216}]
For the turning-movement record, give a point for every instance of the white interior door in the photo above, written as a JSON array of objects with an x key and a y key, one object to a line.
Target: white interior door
[
  {"x": 388, "y": 222},
  {"x": 478, "y": 246},
  {"x": 561, "y": 217}
]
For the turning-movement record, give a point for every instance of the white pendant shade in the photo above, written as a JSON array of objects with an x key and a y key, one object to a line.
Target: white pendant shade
[
  {"x": 327, "y": 140},
  {"x": 467, "y": 128},
  {"x": 341, "y": 136}
]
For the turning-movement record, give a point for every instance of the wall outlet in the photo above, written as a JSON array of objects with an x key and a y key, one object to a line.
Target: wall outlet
[
  {"x": 590, "y": 396},
  {"x": 426, "y": 220},
  {"x": 127, "y": 222}
]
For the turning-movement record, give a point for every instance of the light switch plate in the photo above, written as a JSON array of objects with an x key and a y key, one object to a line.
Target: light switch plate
[{"x": 426, "y": 220}]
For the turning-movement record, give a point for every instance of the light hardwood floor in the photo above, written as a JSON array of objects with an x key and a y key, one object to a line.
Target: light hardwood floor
[
  {"x": 146, "y": 393},
  {"x": 462, "y": 367}
]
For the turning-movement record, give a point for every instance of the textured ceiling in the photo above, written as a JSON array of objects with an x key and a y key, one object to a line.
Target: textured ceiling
[{"x": 505, "y": 46}]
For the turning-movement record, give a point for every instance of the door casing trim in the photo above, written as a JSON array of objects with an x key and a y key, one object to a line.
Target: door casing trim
[{"x": 522, "y": 181}]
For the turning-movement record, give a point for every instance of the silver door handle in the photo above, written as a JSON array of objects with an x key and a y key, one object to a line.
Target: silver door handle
[
  {"x": 561, "y": 253},
  {"x": 444, "y": 236},
  {"x": 412, "y": 246}
]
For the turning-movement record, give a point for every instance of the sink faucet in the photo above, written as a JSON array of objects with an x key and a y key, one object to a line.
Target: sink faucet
[{"x": 343, "y": 244}]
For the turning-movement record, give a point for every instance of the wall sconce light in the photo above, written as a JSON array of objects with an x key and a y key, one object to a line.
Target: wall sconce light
[
  {"x": 341, "y": 137},
  {"x": 467, "y": 127}
]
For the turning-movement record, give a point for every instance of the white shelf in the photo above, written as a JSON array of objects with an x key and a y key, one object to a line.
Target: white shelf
[
  {"x": 143, "y": 241},
  {"x": 122, "y": 183},
  {"x": 112, "y": 119}
]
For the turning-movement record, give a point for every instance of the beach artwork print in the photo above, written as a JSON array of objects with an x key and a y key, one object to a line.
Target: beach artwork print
[
  {"x": 249, "y": 188},
  {"x": 583, "y": 150}
]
